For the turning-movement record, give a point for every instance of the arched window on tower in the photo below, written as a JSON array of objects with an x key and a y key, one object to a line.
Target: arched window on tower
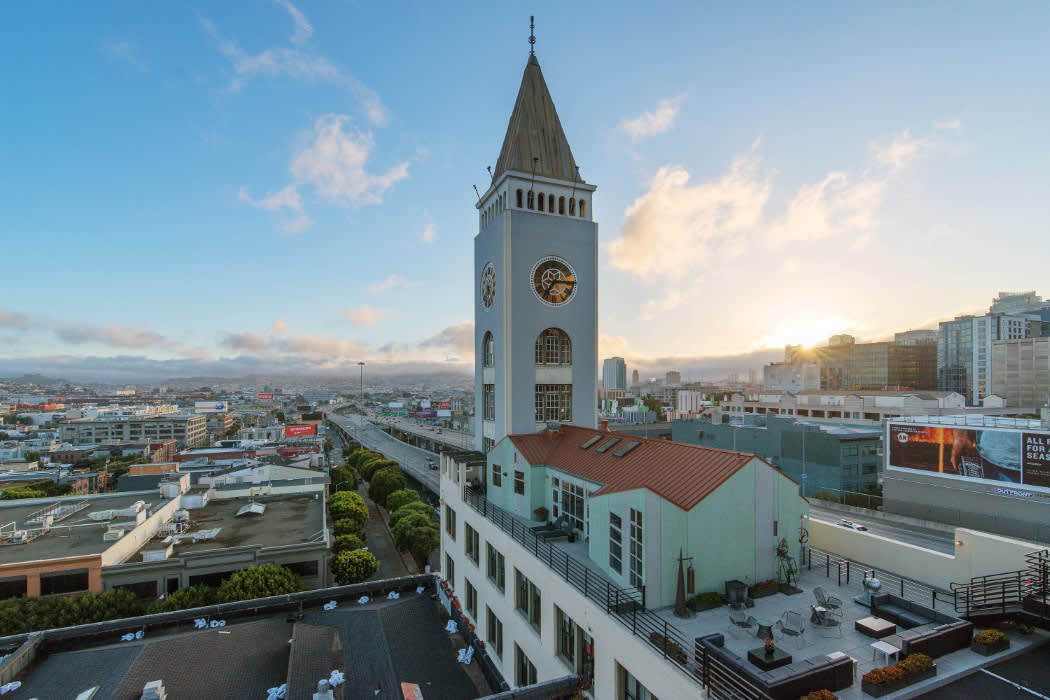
[
  {"x": 541, "y": 206},
  {"x": 532, "y": 200},
  {"x": 561, "y": 205},
  {"x": 553, "y": 347},
  {"x": 488, "y": 350},
  {"x": 550, "y": 204},
  {"x": 572, "y": 207},
  {"x": 583, "y": 208},
  {"x": 519, "y": 199}
]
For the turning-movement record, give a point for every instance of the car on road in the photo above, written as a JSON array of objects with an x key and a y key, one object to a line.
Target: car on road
[
  {"x": 430, "y": 463},
  {"x": 852, "y": 525}
]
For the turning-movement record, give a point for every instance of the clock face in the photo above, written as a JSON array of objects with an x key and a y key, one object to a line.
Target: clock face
[
  {"x": 553, "y": 281},
  {"x": 488, "y": 286}
]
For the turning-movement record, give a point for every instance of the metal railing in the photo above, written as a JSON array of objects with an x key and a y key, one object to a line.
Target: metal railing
[
  {"x": 1026, "y": 590},
  {"x": 627, "y": 605},
  {"x": 846, "y": 571},
  {"x": 722, "y": 680}
]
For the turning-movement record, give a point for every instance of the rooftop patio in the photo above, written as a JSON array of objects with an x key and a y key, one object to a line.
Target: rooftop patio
[{"x": 819, "y": 641}]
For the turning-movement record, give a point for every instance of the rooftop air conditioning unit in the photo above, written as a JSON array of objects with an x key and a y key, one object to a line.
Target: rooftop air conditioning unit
[{"x": 112, "y": 535}]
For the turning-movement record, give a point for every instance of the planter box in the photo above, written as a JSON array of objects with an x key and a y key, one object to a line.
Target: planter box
[
  {"x": 764, "y": 591},
  {"x": 989, "y": 649},
  {"x": 877, "y": 691},
  {"x": 700, "y": 606}
]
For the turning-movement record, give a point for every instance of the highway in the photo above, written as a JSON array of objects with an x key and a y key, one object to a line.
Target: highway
[
  {"x": 920, "y": 537},
  {"x": 454, "y": 438},
  {"x": 412, "y": 459}
]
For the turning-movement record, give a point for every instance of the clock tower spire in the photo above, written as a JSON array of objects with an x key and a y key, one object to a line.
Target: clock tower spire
[{"x": 536, "y": 266}]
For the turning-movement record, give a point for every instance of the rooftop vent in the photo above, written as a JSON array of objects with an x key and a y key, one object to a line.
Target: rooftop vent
[
  {"x": 251, "y": 509},
  {"x": 607, "y": 445},
  {"x": 590, "y": 442},
  {"x": 627, "y": 448}
]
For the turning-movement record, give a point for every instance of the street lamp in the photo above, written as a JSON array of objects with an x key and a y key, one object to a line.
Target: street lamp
[{"x": 362, "y": 366}]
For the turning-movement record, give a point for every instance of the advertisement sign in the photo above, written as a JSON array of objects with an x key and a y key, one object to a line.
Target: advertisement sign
[
  {"x": 394, "y": 412},
  {"x": 313, "y": 416},
  {"x": 424, "y": 403},
  {"x": 299, "y": 430},
  {"x": 444, "y": 404},
  {"x": 264, "y": 396},
  {"x": 444, "y": 413},
  {"x": 426, "y": 414},
  {"x": 395, "y": 404},
  {"x": 1003, "y": 456},
  {"x": 209, "y": 407}
]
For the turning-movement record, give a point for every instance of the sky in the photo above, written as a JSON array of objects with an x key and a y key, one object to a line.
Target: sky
[{"x": 275, "y": 186}]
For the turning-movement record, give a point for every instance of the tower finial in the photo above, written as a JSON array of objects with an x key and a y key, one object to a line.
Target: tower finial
[{"x": 532, "y": 35}]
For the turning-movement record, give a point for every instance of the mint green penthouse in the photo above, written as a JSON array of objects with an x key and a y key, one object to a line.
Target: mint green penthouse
[{"x": 634, "y": 504}]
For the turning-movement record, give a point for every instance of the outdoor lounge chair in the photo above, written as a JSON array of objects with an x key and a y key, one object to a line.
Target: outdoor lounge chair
[
  {"x": 561, "y": 523},
  {"x": 824, "y": 600},
  {"x": 741, "y": 620},
  {"x": 825, "y": 621},
  {"x": 792, "y": 624},
  {"x": 562, "y": 528}
]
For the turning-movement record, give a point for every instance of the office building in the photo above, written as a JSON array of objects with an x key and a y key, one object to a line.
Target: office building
[
  {"x": 909, "y": 362},
  {"x": 614, "y": 374},
  {"x": 925, "y": 336},
  {"x": 1021, "y": 371},
  {"x": 1017, "y": 303},
  {"x": 964, "y": 350},
  {"x": 791, "y": 376},
  {"x": 188, "y": 430},
  {"x": 535, "y": 271},
  {"x": 635, "y": 380},
  {"x": 673, "y": 377}
]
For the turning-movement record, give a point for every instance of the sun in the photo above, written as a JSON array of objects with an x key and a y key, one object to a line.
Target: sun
[{"x": 803, "y": 329}]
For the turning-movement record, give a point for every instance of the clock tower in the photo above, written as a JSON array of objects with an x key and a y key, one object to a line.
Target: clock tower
[{"x": 536, "y": 279}]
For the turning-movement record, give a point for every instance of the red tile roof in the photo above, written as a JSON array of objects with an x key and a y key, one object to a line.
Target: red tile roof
[{"x": 678, "y": 472}]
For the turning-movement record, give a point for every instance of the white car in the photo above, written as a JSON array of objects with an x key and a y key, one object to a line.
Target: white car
[{"x": 853, "y": 526}]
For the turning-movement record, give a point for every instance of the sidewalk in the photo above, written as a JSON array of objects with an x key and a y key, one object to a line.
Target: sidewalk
[{"x": 380, "y": 543}]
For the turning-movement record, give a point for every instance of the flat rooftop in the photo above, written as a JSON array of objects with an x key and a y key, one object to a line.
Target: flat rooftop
[
  {"x": 77, "y": 535},
  {"x": 287, "y": 520}
]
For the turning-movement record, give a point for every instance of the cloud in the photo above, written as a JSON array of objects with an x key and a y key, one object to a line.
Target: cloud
[
  {"x": 112, "y": 335},
  {"x": 13, "y": 319},
  {"x": 293, "y": 63},
  {"x": 303, "y": 29},
  {"x": 364, "y": 315},
  {"x": 674, "y": 225},
  {"x": 458, "y": 338},
  {"x": 122, "y": 51},
  {"x": 428, "y": 234},
  {"x": 245, "y": 342},
  {"x": 948, "y": 124},
  {"x": 900, "y": 151},
  {"x": 285, "y": 198},
  {"x": 280, "y": 326},
  {"x": 335, "y": 162},
  {"x": 828, "y": 208},
  {"x": 658, "y": 121},
  {"x": 391, "y": 282},
  {"x": 322, "y": 346},
  {"x": 654, "y": 308}
]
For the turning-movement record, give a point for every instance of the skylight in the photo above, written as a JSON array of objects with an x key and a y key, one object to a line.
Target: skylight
[
  {"x": 590, "y": 442},
  {"x": 605, "y": 447},
  {"x": 627, "y": 448}
]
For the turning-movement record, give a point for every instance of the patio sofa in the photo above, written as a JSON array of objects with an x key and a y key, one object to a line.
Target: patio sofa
[
  {"x": 787, "y": 682},
  {"x": 924, "y": 630}
]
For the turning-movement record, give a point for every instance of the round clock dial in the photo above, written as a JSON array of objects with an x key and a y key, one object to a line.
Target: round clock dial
[
  {"x": 488, "y": 285},
  {"x": 553, "y": 281}
]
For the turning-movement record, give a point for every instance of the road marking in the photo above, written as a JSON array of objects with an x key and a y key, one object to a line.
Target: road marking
[{"x": 1016, "y": 685}]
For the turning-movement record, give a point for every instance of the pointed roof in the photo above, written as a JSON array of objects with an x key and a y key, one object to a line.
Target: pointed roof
[{"x": 535, "y": 131}]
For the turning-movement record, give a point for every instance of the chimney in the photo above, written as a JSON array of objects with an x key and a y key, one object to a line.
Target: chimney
[
  {"x": 553, "y": 429},
  {"x": 603, "y": 425}
]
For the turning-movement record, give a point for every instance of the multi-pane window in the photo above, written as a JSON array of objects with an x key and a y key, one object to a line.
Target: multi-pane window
[
  {"x": 553, "y": 347},
  {"x": 471, "y": 596},
  {"x": 631, "y": 688},
  {"x": 519, "y": 482},
  {"x": 567, "y": 632},
  {"x": 488, "y": 351},
  {"x": 553, "y": 402},
  {"x": 494, "y": 633},
  {"x": 527, "y": 599},
  {"x": 450, "y": 522},
  {"x": 472, "y": 544},
  {"x": 572, "y": 503},
  {"x": 450, "y": 570},
  {"x": 488, "y": 402},
  {"x": 497, "y": 476},
  {"x": 524, "y": 671},
  {"x": 637, "y": 551},
  {"x": 496, "y": 567},
  {"x": 615, "y": 543}
]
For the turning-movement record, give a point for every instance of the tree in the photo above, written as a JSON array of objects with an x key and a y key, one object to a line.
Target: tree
[
  {"x": 343, "y": 543},
  {"x": 418, "y": 535},
  {"x": 354, "y": 566},
  {"x": 14, "y": 493},
  {"x": 343, "y": 479},
  {"x": 192, "y": 597},
  {"x": 414, "y": 507},
  {"x": 371, "y": 465},
  {"x": 384, "y": 482},
  {"x": 348, "y": 527},
  {"x": 653, "y": 404},
  {"x": 400, "y": 498},
  {"x": 348, "y": 506},
  {"x": 31, "y": 456},
  {"x": 259, "y": 582}
]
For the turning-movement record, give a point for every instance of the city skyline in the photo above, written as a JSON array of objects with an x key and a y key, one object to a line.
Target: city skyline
[{"x": 279, "y": 191}]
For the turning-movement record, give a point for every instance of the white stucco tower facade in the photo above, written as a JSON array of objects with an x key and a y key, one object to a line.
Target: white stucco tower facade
[{"x": 536, "y": 273}]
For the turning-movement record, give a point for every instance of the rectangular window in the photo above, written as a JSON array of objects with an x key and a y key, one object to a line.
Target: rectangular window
[
  {"x": 497, "y": 568},
  {"x": 488, "y": 402},
  {"x": 519, "y": 482},
  {"x": 494, "y": 633},
  {"x": 524, "y": 671},
  {"x": 631, "y": 689},
  {"x": 471, "y": 597},
  {"x": 572, "y": 503},
  {"x": 849, "y": 451},
  {"x": 553, "y": 402},
  {"x": 473, "y": 543},
  {"x": 143, "y": 590},
  {"x": 637, "y": 550},
  {"x": 615, "y": 543},
  {"x": 450, "y": 522},
  {"x": 497, "y": 476},
  {"x": 13, "y": 587},
  {"x": 64, "y": 582},
  {"x": 527, "y": 599},
  {"x": 567, "y": 632},
  {"x": 450, "y": 571}
]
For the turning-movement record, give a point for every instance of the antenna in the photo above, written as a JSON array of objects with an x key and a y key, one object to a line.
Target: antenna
[
  {"x": 477, "y": 193},
  {"x": 489, "y": 168},
  {"x": 532, "y": 35},
  {"x": 535, "y": 160}
]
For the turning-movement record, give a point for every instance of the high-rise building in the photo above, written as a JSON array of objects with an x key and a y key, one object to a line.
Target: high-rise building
[
  {"x": 614, "y": 374},
  {"x": 536, "y": 266},
  {"x": 1017, "y": 302},
  {"x": 1021, "y": 371},
  {"x": 635, "y": 379},
  {"x": 924, "y": 336},
  {"x": 673, "y": 377},
  {"x": 964, "y": 350}
]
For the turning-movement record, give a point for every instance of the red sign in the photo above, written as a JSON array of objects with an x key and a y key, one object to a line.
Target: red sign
[
  {"x": 444, "y": 404},
  {"x": 299, "y": 430},
  {"x": 264, "y": 396}
]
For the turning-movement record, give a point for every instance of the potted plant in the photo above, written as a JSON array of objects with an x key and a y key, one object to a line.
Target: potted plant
[
  {"x": 768, "y": 644},
  {"x": 988, "y": 642},
  {"x": 887, "y": 679},
  {"x": 705, "y": 601},
  {"x": 541, "y": 514},
  {"x": 819, "y": 695},
  {"x": 763, "y": 589}
]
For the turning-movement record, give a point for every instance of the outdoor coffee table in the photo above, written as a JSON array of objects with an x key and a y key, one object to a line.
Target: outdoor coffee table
[
  {"x": 888, "y": 651},
  {"x": 767, "y": 663},
  {"x": 875, "y": 627}
]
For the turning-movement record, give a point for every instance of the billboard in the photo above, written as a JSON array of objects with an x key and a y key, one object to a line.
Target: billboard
[
  {"x": 444, "y": 405},
  {"x": 444, "y": 413},
  {"x": 264, "y": 396},
  {"x": 1010, "y": 456},
  {"x": 299, "y": 430},
  {"x": 394, "y": 412},
  {"x": 426, "y": 414},
  {"x": 210, "y": 407}
]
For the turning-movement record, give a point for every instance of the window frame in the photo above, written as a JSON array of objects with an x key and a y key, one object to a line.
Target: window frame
[
  {"x": 472, "y": 543},
  {"x": 494, "y": 632},
  {"x": 519, "y": 482},
  {"x": 496, "y": 567}
]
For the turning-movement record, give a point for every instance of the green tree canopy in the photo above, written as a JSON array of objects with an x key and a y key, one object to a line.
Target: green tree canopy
[
  {"x": 354, "y": 566},
  {"x": 344, "y": 542},
  {"x": 259, "y": 582},
  {"x": 370, "y": 466},
  {"x": 348, "y": 505},
  {"x": 399, "y": 498},
  {"x": 418, "y": 535},
  {"x": 414, "y": 507},
  {"x": 384, "y": 482},
  {"x": 343, "y": 479},
  {"x": 348, "y": 527},
  {"x": 192, "y": 597},
  {"x": 14, "y": 493}
]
